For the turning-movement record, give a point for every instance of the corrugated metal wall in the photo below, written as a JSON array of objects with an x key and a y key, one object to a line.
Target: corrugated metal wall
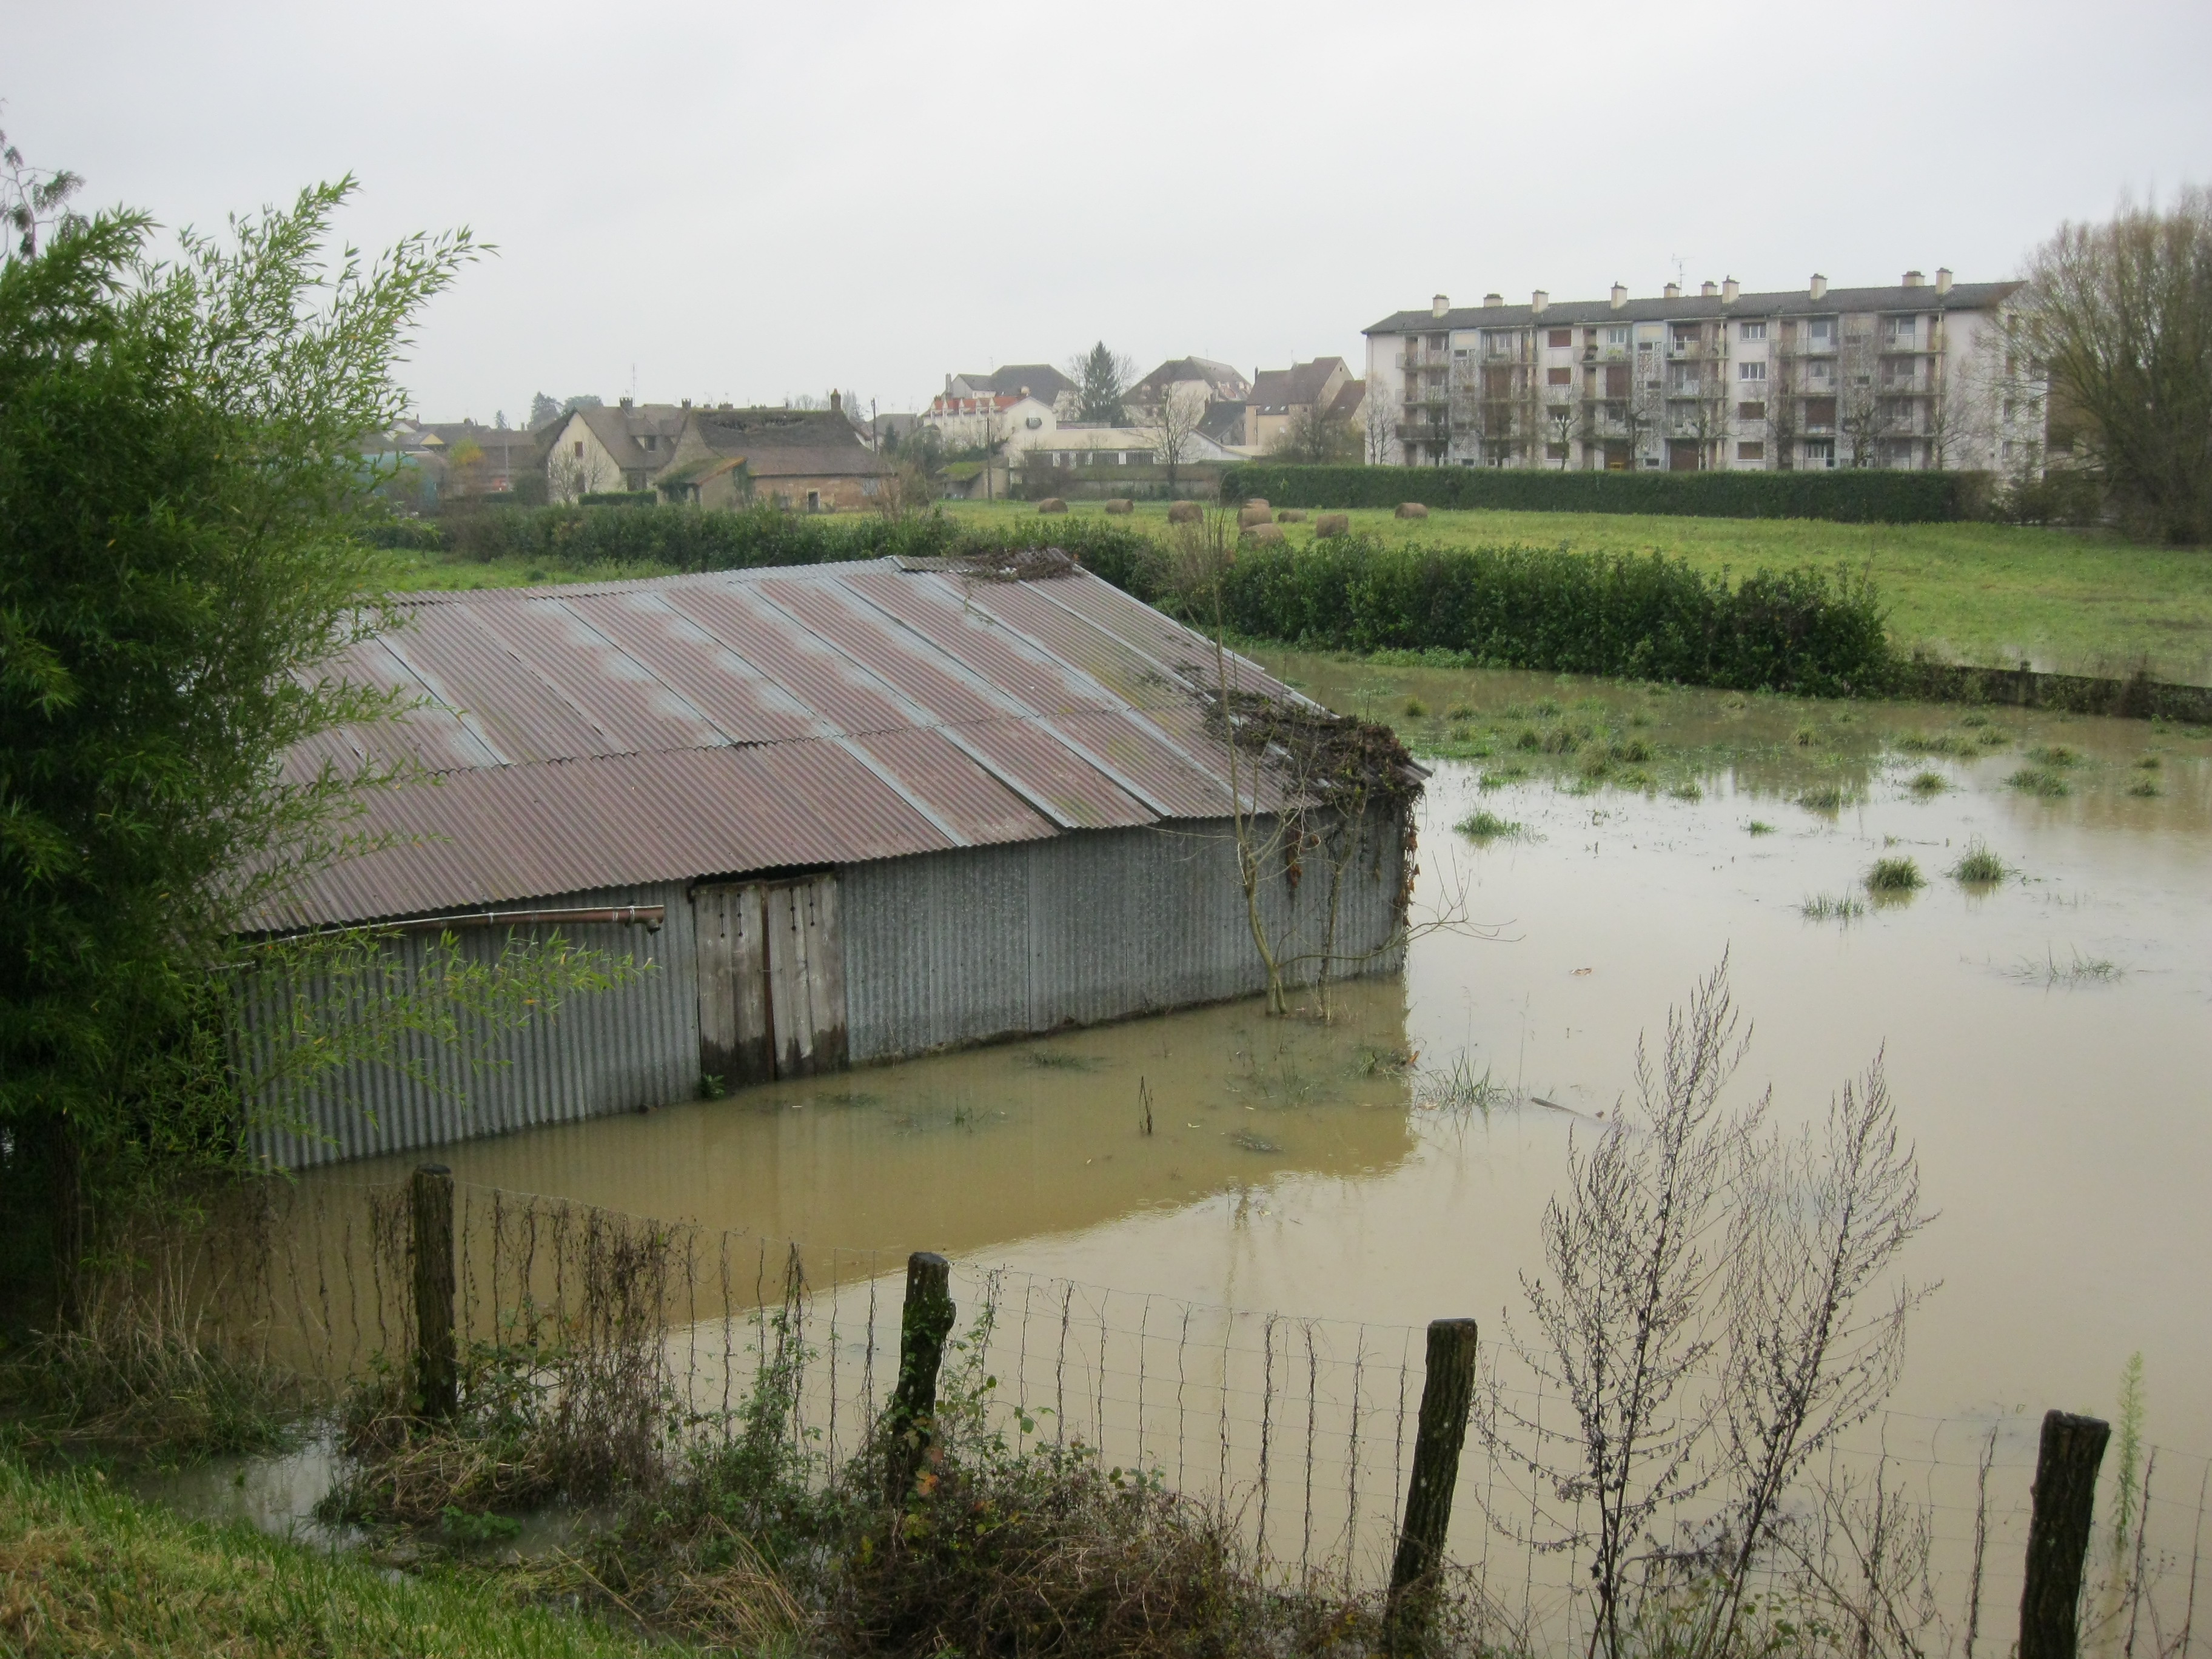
[
  {"x": 635, "y": 1045},
  {"x": 954, "y": 947},
  {"x": 940, "y": 948}
]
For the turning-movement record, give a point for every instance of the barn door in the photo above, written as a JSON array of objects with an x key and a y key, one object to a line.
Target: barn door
[
  {"x": 733, "y": 1020},
  {"x": 805, "y": 976}
]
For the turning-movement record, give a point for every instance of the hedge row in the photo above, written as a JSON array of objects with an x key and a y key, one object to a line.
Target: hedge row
[
  {"x": 1642, "y": 616},
  {"x": 1855, "y": 496},
  {"x": 1646, "y": 616}
]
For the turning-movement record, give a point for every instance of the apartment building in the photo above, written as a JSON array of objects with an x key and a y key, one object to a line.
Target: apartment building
[{"x": 1918, "y": 376}]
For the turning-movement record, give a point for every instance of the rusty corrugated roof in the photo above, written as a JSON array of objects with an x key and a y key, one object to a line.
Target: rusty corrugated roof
[{"x": 625, "y": 733}]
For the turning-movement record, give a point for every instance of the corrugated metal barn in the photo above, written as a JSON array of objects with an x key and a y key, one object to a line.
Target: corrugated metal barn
[{"x": 848, "y": 813}]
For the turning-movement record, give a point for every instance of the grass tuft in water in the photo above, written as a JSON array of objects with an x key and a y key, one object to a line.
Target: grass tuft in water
[
  {"x": 1461, "y": 711},
  {"x": 1687, "y": 791},
  {"x": 1978, "y": 867},
  {"x": 1415, "y": 708},
  {"x": 2054, "y": 754},
  {"x": 1460, "y": 1090},
  {"x": 2144, "y": 789},
  {"x": 1823, "y": 797},
  {"x": 1056, "y": 1060},
  {"x": 1496, "y": 777},
  {"x": 1759, "y": 827},
  {"x": 1484, "y": 824},
  {"x": 1928, "y": 783},
  {"x": 1890, "y": 877},
  {"x": 2079, "y": 970},
  {"x": 2040, "y": 781},
  {"x": 1840, "y": 907},
  {"x": 1990, "y": 737}
]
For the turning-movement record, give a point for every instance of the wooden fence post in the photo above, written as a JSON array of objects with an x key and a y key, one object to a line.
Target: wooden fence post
[
  {"x": 1447, "y": 1395},
  {"x": 2058, "y": 1533},
  {"x": 430, "y": 1204},
  {"x": 924, "y": 1323}
]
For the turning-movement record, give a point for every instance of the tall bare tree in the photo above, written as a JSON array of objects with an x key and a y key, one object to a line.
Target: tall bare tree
[
  {"x": 1172, "y": 421},
  {"x": 2121, "y": 315},
  {"x": 1316, "y": 434},
  {"x": 1378, "y": 425}
]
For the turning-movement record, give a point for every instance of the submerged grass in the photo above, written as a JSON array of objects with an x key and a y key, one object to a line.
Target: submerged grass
[
  {"x": 1928, "y": 783},
  {"x": 1840, "y": 907},
  {"x": 2077, "y": 970},
  {"x": 2042, "y": 781},
  {"x": 1894, "y": 878},
  {"x": 1484, "y": 825},
  {"x": 1978, "y": 867}
]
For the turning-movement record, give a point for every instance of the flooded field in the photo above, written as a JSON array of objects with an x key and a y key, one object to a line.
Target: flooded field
[{"x": 2048, "y": 1037}]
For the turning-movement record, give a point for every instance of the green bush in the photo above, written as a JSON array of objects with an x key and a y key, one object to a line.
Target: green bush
[
  {"x": 618, "y": 498},
  {"x": 1855, "y": 496},
  {"x": 1645, "y": 617}
]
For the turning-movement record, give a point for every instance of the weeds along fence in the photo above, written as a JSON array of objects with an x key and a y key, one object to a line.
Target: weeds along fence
[{"x": 650, "y": 1338}]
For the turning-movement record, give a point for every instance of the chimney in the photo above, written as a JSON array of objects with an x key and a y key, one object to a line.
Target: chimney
[
  {"x": 1440, "y": 305},
  {"x": 1025, "y": 391},
  {"x": 1729, "y": 289},
  {"x": 1492, "y": 301},
  {"x": 1707, "y": 290},
  {"x": 1914, "y": 279},
  {"x": 1672, "y": 291},
  {"x": 1942, "y": 279},
  {"x": 1820, "y": 286},
  {"x": 1619, "y": 296},
  {"x": 625, "y": 402},
  {"x": 1538, "y": 300},
  {"x": 836, "y": 401}
]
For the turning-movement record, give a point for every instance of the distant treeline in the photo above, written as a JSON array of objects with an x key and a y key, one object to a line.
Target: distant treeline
[
  {"x": 1853, "y": 496},
  {"x": 1638, "y": 616}
]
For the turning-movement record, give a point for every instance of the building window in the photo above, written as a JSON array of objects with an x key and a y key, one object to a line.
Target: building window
[
  {"x": 1616, "y": 336},
  {"x": 1820, "y": 411},
  {"x": 1751, "y": 411},
  {"x": 1905, "y": 330},
  {"x": 580, "y": 449},
  {"x": 1563, "y": 337},
  {"x": 1900, "y": 455},
  {"x": 813, "y": 501},
  {"x": 1559, "y": 377},
  {"x": 1555, "y": 451},
  {"x": 1751, "y": 371},
  {"x": 1752, "y": 451},
  {"x": 1821, "y": 332},
  {"x": 1750, "y": 331},
  {"x": 1820, "y": 453}
]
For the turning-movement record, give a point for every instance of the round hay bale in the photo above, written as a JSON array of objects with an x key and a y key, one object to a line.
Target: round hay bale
[
  {"x": 1290, "y": 515},
  {"x": 1411, "y": 510},
  {"x": 1185, "y": 513},
  {"x": 1053, "y": 504},
  {"x": 1333, "y": 524},
  {"x": 1262, "y": 535},
  {"x": 1121, "y": 505},
  {"x": 1259, "y": 501},
  {"x": 1252, "y": 515}
]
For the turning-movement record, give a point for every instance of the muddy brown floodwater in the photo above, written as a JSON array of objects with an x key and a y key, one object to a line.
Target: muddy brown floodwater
[{"x": 2048, "y": 1040}]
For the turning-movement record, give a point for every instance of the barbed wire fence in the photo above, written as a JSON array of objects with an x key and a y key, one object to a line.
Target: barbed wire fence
[{"x": 1301, "y": 1431}]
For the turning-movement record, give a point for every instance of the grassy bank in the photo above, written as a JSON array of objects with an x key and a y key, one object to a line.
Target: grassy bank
[
  {"x": 2068, "y": 601},
  {"x": 84, "y": 1570}
]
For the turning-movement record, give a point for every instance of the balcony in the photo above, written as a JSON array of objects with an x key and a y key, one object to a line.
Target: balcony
[{"x": 1433, "y": 433}]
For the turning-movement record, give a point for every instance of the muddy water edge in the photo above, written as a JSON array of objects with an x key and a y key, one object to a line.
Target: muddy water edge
[{"x": 2048, "y": 1037}]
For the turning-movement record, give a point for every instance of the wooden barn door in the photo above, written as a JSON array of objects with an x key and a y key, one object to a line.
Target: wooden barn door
[
  {"x": 805, "y": 976},
  {"x": 732, "y": 952}
]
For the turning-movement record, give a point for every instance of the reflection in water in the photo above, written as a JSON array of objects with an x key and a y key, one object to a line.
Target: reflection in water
[{"x": 2063, "y": 1124}]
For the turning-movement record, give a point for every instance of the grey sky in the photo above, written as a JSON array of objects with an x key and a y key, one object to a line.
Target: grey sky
[{"x": 747, "y": 202}]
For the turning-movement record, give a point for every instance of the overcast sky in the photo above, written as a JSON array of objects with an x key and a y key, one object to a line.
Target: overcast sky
[{"x": 748, "y": 201}]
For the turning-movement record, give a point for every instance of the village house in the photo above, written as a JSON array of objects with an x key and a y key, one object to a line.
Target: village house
[
  {"x": 813, "y": 460},
  {"x": 1042, "y": 381},
  {"x": 840, "y": 814},
  {"x": 1281, "y": 397}
]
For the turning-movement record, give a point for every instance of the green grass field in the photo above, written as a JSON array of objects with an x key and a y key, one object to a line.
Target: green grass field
[
  {"x": 85, "y": 1570},
  {"x": 1988, "y": 594}
]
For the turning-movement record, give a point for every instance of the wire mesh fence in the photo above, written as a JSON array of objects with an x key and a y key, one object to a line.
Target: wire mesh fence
[{"x": 1300, "y": 1432}]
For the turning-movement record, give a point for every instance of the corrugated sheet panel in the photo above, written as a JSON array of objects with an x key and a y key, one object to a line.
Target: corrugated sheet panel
[
  {"x": 965, "y": 946},
  {"x": 621, "y": 1050},
  {"x": 638, "y": 731}
]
